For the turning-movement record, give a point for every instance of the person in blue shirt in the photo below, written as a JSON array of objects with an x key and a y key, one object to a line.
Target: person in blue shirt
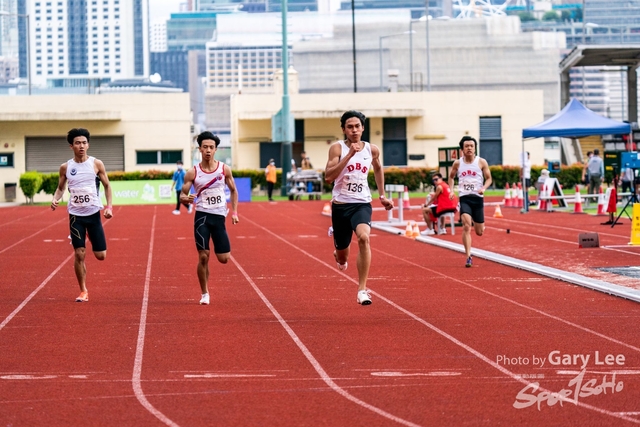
[{"x": 178, "y": 182}]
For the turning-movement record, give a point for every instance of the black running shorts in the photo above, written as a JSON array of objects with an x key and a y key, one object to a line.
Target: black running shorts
[
  {"x": 345, "y": 217},
  {"x": 207, "y": 227},
  {"x": 474, "y": 206},
  {"x": 80, "y": 226}
]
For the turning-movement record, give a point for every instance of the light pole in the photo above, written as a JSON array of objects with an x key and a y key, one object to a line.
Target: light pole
[
  {"x": 426, "y": 17},
  {"x": 380, "y": 51},
  {"x": 26, "y": 18}
]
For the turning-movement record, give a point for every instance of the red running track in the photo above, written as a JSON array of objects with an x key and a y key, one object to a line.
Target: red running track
[{"x": 284, "y": 341}]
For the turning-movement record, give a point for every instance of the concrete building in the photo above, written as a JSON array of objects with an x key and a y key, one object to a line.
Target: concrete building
[
  {"x": 158, "y": 37},
  {"x": 129, "y": 132},
  {"x": 409, "y": 128}
]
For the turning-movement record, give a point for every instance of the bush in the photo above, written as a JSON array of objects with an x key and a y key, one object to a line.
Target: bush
[
  {"x": 30, "y": 183},
  {"x": 49, "y": 183}
]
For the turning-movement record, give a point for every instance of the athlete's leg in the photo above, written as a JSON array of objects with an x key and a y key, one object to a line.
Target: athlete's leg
[
  {"x": 80, "y": 268},
  {"x": 466, "y": 233},
  {"x": 479, "y": 228},
  {"x": 203, "y": 269},
  {"x": 364, "y": 255},
  {"x": 223, "y": 258}
]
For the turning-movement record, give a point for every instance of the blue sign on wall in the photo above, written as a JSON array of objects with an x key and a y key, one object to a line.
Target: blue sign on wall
[{"x": 243, "y": 186}]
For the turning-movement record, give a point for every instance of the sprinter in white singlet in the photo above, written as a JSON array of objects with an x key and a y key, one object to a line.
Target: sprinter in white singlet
[
  {"x": 348, "y": 168},
  {"x": 474, "y": 177},
  {"x": 83, "y": 175},
  {"x": 209, "y": 179}
]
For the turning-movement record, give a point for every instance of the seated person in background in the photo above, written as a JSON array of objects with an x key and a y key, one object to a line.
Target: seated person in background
[
  {"x": 305, "y": 164},
  {"x": 437, "y": 204}
]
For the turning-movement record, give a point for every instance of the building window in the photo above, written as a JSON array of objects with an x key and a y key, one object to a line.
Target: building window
[
  {"x": 6, "y": 160},
  {"x": 164, "y": 157}
]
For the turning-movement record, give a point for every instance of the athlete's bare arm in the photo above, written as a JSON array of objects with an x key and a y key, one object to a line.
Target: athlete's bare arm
[
  {"x": 186, "y": 198},
  {"x": 335, "y": 164},
  {"x": 62, "y": 183},
  {"x": 486, "y": 172},
  {"x": 233, "y": 193},
  {"x": 452, "y": 175},
  {"x": 378, "y": 174},
  {"x": 104, "y": 179}
]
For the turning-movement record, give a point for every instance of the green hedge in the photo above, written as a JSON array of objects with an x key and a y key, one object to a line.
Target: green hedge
[{"x": 32, "y": 183}]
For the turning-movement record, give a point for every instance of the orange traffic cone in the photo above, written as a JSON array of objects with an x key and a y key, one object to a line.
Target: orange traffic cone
[
  {"x": 415, "y": 232},
  {"x": 577, "y": 207},
  {"x": 507, "y": 196},
  {"x": 542, "y": 201},
  {"x": 326, "y": 210},
  {"x": 601, "y": 208},
  {"x": 520, "y": 199},
  {"x": 405, "y": 198},
  {"x": 408, "y": 232},
  {"x": 498, "y": 212}
]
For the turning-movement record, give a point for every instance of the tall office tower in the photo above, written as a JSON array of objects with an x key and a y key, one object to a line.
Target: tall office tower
[
  {"x": 158, "y": 36},
  {"x": 74, "y": 41}
]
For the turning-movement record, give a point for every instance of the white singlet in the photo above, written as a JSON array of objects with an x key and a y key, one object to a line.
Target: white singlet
[
  {"x": 470, "y": 178},
  {"x": 351, "y": 186},
  {"x": 209, "y": 186},
  {"x": 82, "y": 181}
]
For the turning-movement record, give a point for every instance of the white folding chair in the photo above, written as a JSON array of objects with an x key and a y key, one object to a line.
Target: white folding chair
[{"x": 442, "y": 224}]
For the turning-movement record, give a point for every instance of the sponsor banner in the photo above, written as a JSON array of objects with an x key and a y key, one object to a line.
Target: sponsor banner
[{"x": 160, "y": 192}]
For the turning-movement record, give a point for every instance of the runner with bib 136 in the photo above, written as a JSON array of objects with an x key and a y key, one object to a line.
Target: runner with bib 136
[
  {"x": 350, "y": 161},
  {"x": 474, "y": 177}
]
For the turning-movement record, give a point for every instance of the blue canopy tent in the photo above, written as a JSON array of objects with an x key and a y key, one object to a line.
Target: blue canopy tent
[{"x": 574, "y": 121}]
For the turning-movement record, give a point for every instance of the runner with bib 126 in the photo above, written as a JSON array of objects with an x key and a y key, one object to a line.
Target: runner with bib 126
[{"x": 474, "y": 177}]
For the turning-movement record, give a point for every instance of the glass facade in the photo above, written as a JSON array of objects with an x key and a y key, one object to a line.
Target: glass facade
[
  {"x": 190, "y": 31},
  {"x": 172, "y": 66},
  {"x": 77, "y": 36}
]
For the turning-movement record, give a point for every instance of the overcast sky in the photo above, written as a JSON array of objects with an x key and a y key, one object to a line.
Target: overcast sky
[{"x": 161, "y": 9}]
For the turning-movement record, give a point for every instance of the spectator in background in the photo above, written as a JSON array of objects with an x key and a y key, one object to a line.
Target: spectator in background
[
  {"x": 628, "y": 178},
  {"x": 437, "y": 204},
  {"x": 178, "y": 181},
  {"x": 305, "y": 163},
  {"x": 585, "y": 172},
  {"x": 595, "y": 171},
  {"x": 270, "y": 172}
]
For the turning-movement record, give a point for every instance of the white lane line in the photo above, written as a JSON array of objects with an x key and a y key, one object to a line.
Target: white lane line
[
  {"x": 454, "y": 340},
  {"x": 35, "y": 291},
  {"x": 214, "y": 375},
  {"x": 137, "y": 366},
  {"x": 28, "y": 237},
  {"x": 543, "y": 270},
  {"x": 314, "y": 362},
  {"x": 40, "y": 212}
]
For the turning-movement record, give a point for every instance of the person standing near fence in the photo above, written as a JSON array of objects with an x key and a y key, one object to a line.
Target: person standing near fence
[
  {"x": 209, "y": 178},
  {"x": 83, "y": 175},
  {"x": 474, "y": 177},
  {"x": 595, "y": 170},
  {"x": 348, "y": 168}
]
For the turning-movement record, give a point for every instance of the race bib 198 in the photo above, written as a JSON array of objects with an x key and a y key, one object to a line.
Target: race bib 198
[{"x": 213, "y": 197}]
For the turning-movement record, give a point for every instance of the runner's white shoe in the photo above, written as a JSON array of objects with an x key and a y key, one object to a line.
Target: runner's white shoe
[
  {"x": 205, "y": 299},
  {"x": 364, "y": 298}
]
